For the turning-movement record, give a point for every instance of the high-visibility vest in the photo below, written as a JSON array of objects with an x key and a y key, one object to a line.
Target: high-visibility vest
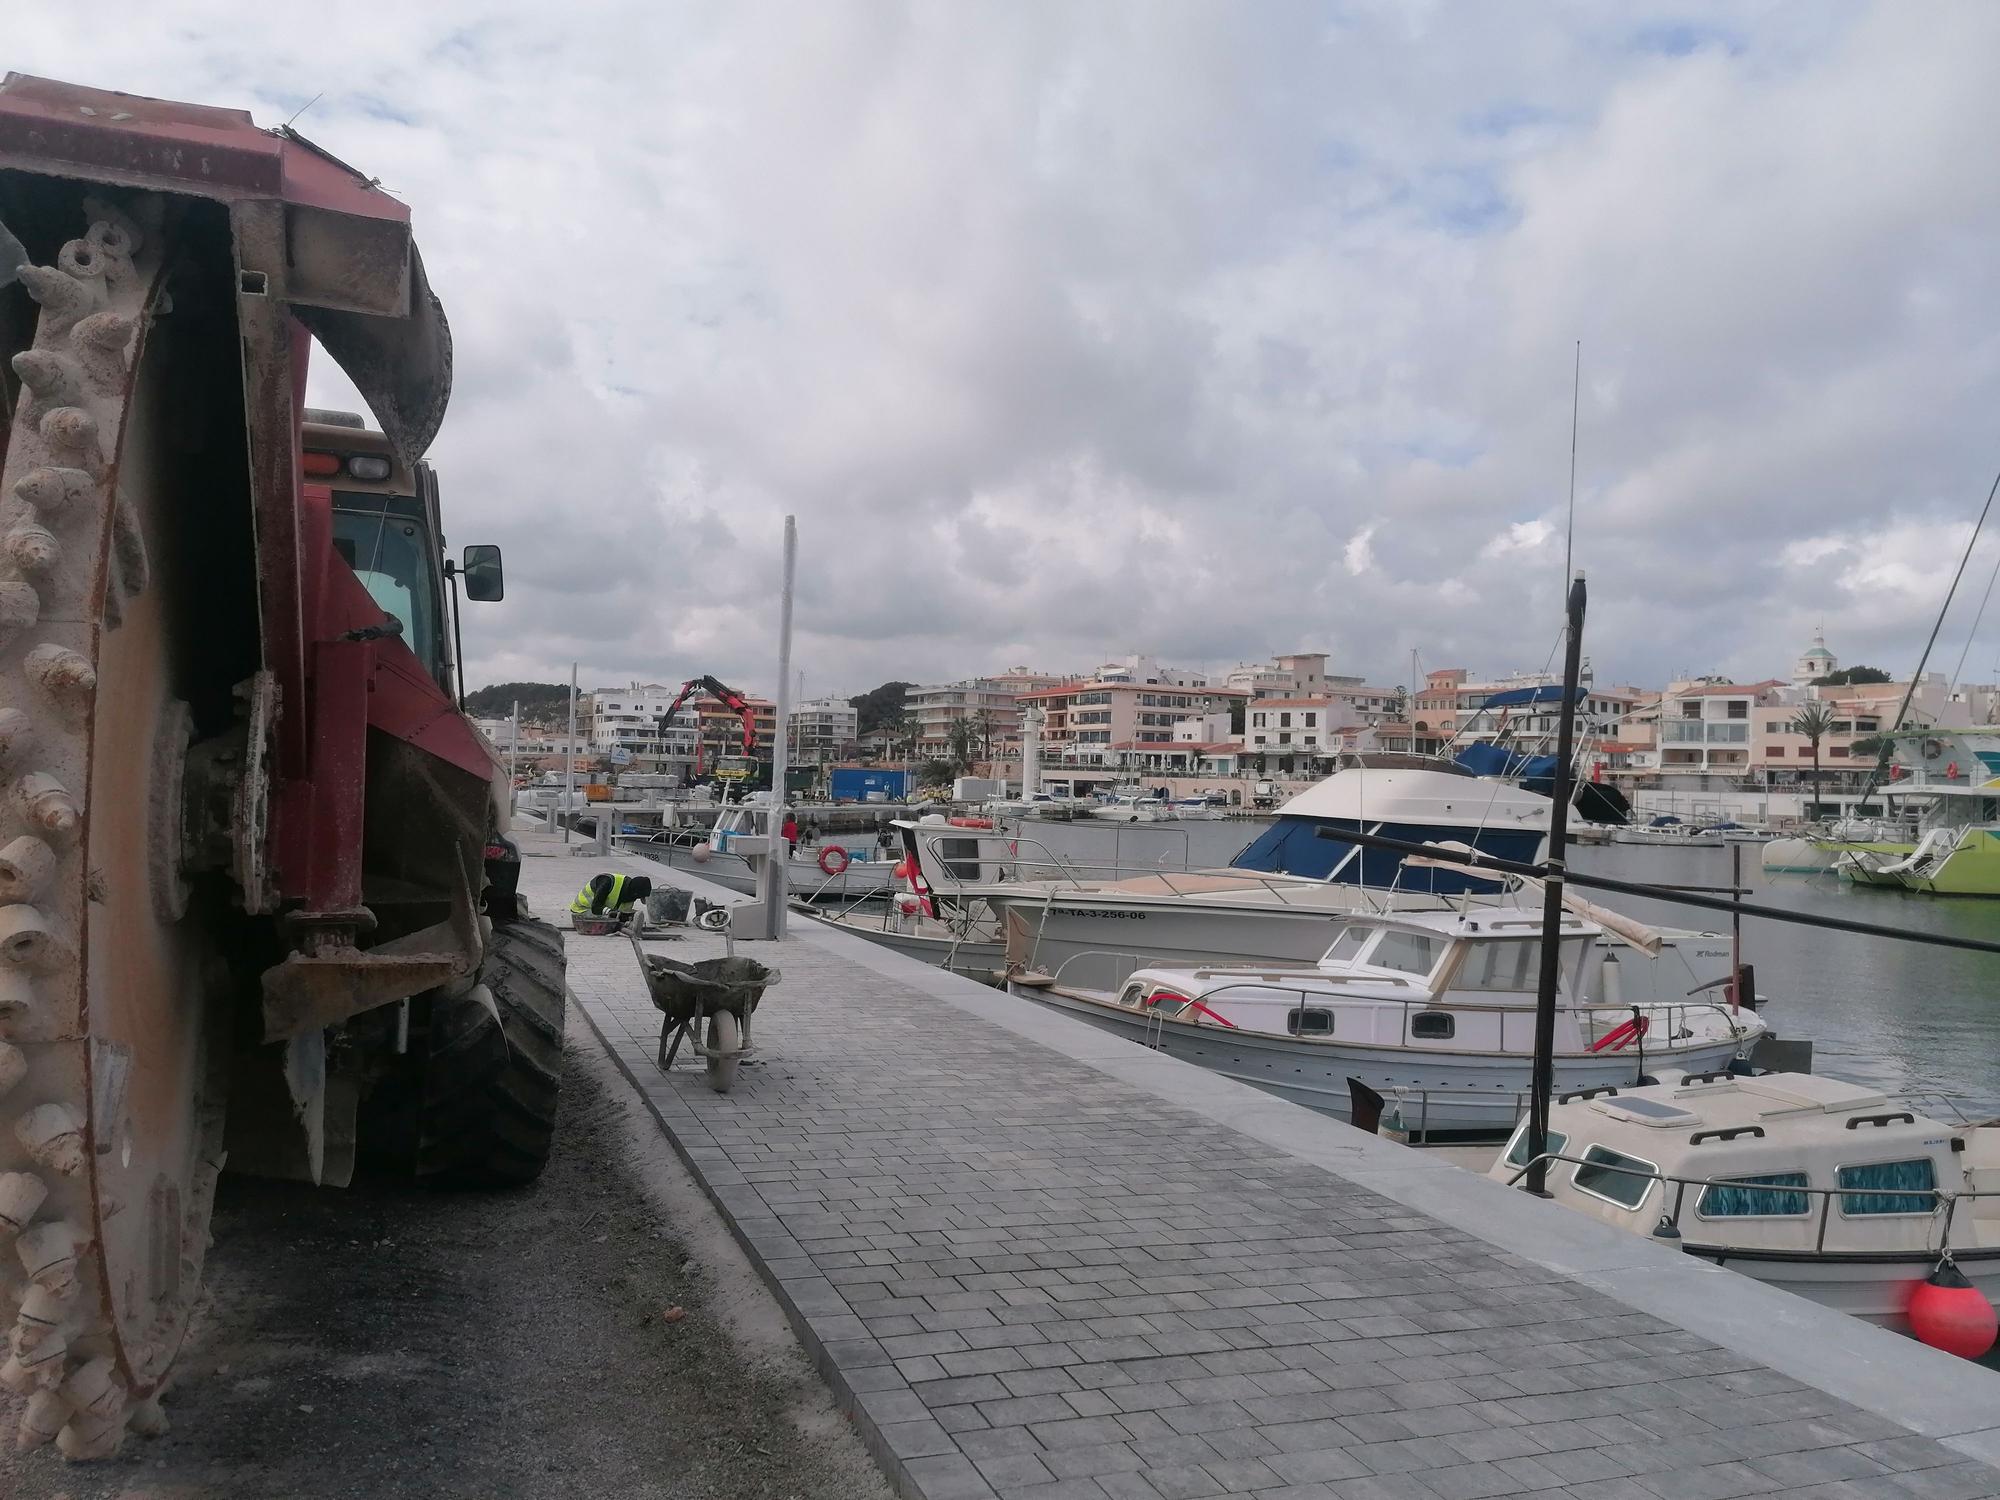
[{"x": 617, "y": 901}]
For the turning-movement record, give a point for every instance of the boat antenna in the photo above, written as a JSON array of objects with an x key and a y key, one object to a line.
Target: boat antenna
[
  {"x": 1543, "y": 1081},
  {"x": 1575, "y": 404},
  {"x": 1888, "y": 746}
]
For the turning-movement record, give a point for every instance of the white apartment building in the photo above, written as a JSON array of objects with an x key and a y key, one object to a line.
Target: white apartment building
[
  {"x": 1210, "y": 728},
  {"x": 625, "y": 728},
  {"x": 989, "y": 704},
  {"x": 1147, "y": 670},
  {"x": 1297, "y": 674},
  {"x": 824, "y": 730},
  {"x": 1294, "y": 732}
]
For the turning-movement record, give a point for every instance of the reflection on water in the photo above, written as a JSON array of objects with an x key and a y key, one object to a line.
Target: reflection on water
[{"x": 1905, "y": 1018}]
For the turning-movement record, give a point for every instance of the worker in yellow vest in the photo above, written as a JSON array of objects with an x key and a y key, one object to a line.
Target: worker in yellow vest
[{"x": 616, "y": 894}]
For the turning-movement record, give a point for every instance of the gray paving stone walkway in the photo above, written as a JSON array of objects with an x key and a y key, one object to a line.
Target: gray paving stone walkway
[{"x": 1027, "y": 1278}]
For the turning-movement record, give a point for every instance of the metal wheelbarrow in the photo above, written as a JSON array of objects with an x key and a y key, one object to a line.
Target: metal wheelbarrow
[{"x": 718, "y": 994}]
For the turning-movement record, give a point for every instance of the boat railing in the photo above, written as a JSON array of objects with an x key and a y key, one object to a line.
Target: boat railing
[
  {"x": 1668, "y": 1039},
  {"x": 1012, "y": 862},
  {"x": 1943, "y": 1210}
]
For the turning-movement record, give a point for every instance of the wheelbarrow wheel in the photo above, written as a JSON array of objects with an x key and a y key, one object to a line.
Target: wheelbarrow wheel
[{"x": 725, "y": 1041}]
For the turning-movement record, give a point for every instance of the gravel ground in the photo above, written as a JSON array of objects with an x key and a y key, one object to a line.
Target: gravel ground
[{"x": 385, "y": 1341}]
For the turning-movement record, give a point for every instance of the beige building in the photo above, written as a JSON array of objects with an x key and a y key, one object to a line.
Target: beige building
[
  {"x": 1087, "y": 722},
  {"x": 990, "y": 705}
]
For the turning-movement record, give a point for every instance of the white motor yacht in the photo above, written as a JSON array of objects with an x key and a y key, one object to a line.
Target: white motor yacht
[
  {"x": 1130, "y": 808},
  {"x": 829, "y": 870},
  {"x": 1275, "y": 901},
  {"x": 1825, "y": 1188},
  {"x": 1434, "y": 1010}
]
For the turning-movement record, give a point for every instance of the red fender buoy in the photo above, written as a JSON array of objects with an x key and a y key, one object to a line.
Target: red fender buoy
[{"x": 1948, "y": 1312}]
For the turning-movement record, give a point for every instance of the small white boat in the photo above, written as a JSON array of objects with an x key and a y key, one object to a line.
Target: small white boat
[
  {"x": 970, "y": 948},
  {"x": 1435, "y": 1010},
  {"x": 1669, "y": 830},
  {"x": 813, "y": 872},
  {"x": 1827, "y": 1189},
  {"x": 1198, "y": 810},
  {"x": 1128, "y": 808}
]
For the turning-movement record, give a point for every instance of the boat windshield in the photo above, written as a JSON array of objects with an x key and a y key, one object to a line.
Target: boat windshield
[
  {"x": 1348, "y": 944},
  {"x": 1406, "y": 952}
]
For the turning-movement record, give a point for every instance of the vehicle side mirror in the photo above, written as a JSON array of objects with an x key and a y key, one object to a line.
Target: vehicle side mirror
[{"x": 484, "y": 581}]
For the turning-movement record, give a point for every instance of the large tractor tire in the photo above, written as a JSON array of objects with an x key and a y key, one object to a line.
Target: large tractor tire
[
  {"x": 111, "y": 1107},
  {"x": 487, "y": 1112}
]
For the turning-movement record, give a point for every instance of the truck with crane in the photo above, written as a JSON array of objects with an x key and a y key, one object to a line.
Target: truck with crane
[{"x": 258, "y": 905}]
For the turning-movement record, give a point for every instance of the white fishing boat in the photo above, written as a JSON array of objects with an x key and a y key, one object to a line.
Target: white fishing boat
[
  {"x": 1435, "y": 1010},
  {"x": 1127, "y": 807},
  {"x": 1199, "y": 810},
  {"x": 1827, "y": 1189},
  {"x": 829, "y": 871},
  {"x": 901, "y": 925},
  {"x": 1668, "y": 829},
  {"x": 1274, "y": 902}
]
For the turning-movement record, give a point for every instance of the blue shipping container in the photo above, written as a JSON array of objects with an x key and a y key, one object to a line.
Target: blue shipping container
[{"x": 855, "y": 784}]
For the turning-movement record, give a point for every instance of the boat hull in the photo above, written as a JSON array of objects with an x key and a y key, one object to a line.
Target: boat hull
[
  {"x": 970, "y": 957},
  {"x": 1457, "y": 1093},
  {"x": 1874, "y": 1287},
  {"x": 1095, "y": 941},
  {"x": 805, "y": 880}
]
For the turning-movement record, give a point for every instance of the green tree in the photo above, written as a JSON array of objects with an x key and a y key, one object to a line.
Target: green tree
[
  {"x": 961, "y": 741},
  {"x": 934, "y": 773},
  {"x": 880, "y": 707},
  {"x": 1852, "y": 677},
  {"x": 984, "y": 724},
  {"x": 541, "y": 702},
  {"x": 1813, "y": 721}
]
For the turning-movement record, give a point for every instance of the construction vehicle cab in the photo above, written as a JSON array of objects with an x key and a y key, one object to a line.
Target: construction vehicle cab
[{"x": 387, "y": 526}]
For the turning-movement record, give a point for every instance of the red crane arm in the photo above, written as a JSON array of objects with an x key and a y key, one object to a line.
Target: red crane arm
[{"x": 722, "y": 693}]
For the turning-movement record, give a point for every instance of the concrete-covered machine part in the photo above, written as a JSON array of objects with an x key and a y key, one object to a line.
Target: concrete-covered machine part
[{"x": 250, "y": 869}]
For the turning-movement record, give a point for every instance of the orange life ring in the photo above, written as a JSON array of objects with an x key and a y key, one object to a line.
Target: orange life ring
[
  {"x": 834, "y": 860},
  {"x": 1951, "y": 771}
]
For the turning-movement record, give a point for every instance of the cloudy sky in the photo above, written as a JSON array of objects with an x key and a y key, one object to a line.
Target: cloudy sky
[{"x": 1209, "y": 329}]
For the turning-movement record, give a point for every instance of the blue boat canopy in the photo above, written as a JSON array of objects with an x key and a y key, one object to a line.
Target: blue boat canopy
[
  {"x": 1483, "y": 759},
  {"x": 1521, "y": 697}
]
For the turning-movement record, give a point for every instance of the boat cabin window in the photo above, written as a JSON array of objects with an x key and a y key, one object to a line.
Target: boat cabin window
[
  {"x": 1350, "y": 942},
  {"x": 1406, "y": 952},
  {"x": 1614, "y": 1177},
  {"x": 1514, "y": 965},
  {"x": 1432, "y": 1025},
  {"x": 1165, "y": 1002},
  {"x": 1517, "y": 1151},
  {"x": 1310, "y": 1022},
  {"x": 960, "y": 858},
  {"x": 1900, "y": 1187},
  {"x": 1759, "y": 1197}
]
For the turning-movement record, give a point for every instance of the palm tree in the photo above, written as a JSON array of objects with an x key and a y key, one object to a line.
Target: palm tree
[
  {"x": 1813, "y": 721},
  {"x": 983, "y": 724},
  {"x": 962, "y": 741}
]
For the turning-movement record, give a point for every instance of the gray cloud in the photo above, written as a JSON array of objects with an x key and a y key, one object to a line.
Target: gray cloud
[{"x": 1068, "y": 331}]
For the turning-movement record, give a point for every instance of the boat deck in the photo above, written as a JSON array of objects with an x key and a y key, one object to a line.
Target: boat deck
[{"x": 1037, "y": 1262}]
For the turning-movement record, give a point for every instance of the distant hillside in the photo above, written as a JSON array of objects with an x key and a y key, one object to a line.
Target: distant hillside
[{"x": 541, "y": 702}]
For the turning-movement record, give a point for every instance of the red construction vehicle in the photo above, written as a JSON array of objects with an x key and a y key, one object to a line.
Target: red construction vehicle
[
  {"x": 729, "y": 698},
  {"x": 255, "y": 888}
]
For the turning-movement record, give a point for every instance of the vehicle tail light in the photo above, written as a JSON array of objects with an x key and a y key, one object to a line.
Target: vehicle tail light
[{"x": 321, "y": 465}]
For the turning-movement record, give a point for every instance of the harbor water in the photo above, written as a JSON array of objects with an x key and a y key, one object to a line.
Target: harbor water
[{"x": 1909, "y": 1019}]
